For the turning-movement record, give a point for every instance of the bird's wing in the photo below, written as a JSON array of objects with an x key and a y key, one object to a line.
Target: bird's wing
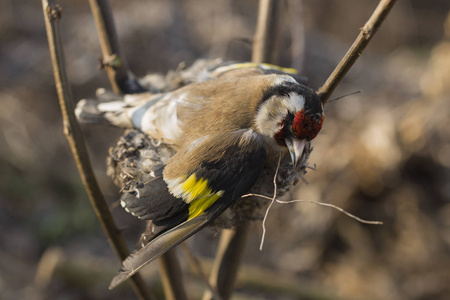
[
  {"x": 151, "y": 200},
  {"x": 208, "y": 175}
]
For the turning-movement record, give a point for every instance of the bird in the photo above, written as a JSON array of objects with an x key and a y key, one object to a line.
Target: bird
[{"x": 210, "y": 141}]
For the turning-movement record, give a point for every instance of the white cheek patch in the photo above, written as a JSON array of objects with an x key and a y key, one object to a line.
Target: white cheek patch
[{"x": 274, "y": 110}]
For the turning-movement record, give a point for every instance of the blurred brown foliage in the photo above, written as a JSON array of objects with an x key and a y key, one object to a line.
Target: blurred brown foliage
[{"x": 383, "y": 154}]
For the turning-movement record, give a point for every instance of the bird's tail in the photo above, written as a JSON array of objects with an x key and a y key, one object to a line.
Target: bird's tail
[
  {"x": 97, "y": 112},
  {"x": 111, "y": 109},
  {"x": 163, "y": 243}
]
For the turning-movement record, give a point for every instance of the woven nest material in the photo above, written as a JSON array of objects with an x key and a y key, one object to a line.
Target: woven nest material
[{"x": 137, "y": 159}]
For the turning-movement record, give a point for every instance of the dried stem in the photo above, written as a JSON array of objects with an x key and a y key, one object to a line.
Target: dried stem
[
  {"x": 270, "y": 205},
  {"x": 197, "y": 267},
  {"x": 265, "y": 40},
  {"x": 171, "y": 276},
  {"x": 170, "y": 273},
  {"x": 294, "y": 12},
  {"x": 227, "y": 261},
  {"x": 318, "y": 203},
  {"x": 358, "y": 46},
  {"x": 121, "y": 79},
  {"x": 52, "y": 15}
]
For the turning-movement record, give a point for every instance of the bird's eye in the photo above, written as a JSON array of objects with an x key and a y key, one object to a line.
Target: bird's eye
[
  {"x": 307, "y": 126},
  {"x": 280, "y": 134}
]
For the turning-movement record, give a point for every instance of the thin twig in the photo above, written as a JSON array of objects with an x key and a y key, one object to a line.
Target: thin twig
[
  {"x": 270, "y": 205},
  {"x": 197, "y": 267},
  {"x": 52, "y": 15},
  {"x": 344, "y": 96},
  {"x": 121, "y": 79},
  {"x": 172, "y": 280},
  {"x": 358, "y": 46},
  {"x": 335, "y": 207},
  {"x": 318, "y": 203}
]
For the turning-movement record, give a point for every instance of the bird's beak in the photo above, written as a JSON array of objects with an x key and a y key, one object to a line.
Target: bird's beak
[{"x": 295, "y": 148}]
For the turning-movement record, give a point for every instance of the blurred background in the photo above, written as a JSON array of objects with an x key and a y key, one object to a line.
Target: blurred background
[{"x": 383, "y": 154}]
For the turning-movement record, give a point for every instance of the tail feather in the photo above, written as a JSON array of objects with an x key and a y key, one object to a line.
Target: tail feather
[
  {"x": 164, "y": 242},
  {"x": 157, "y": 247},
  {"x": 107, "y": 113},
  {"x": 122, "y": 111},
  {"x": 87, "y": 112}
]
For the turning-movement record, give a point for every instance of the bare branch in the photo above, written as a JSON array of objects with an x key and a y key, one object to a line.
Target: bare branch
[
  {"x": 52, "y": 15},
  {"x": 265, "y": 39},
  {"x": 171, "y": 276},
  {"x": 121, "y": 79},
  {"x": 227, "y": 261},
  {"x": 197, "y": 267},
  {"x": 358, "y": 46},
  {"x": 294, "y": 12}
]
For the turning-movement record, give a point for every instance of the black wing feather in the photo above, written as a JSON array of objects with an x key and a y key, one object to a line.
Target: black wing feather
[
  {"x": 234, "y": 172},
  {"x": 153, "y": 201}
]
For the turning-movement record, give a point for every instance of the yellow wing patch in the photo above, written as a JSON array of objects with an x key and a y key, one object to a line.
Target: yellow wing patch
[
  {"x": 256, "y": 65},
  {"x": 198, "y": 195},
  {"x": 199, "y": 205}
]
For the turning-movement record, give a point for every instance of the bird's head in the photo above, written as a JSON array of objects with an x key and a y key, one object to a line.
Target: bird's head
[{"x": 291, "y": 114}]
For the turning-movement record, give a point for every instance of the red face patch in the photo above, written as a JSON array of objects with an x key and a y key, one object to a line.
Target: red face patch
[{"x": 306, "y": 126}]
